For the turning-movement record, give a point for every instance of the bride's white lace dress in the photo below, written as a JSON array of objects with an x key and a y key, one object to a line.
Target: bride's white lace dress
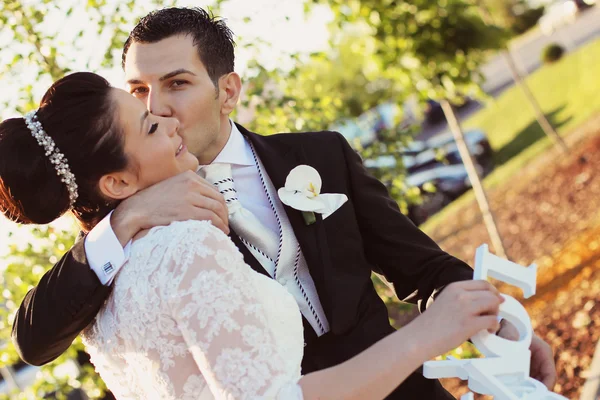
[{"x": 188, "y": 319}]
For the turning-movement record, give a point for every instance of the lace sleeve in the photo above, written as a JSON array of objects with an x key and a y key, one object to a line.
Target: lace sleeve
[{"x": 218, "y": 303}]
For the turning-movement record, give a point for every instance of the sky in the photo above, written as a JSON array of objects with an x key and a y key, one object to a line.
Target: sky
[{"x": 281, "y": 23}]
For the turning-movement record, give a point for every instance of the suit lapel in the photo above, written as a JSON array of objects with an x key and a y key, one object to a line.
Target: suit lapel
[{"x": 279, "y": 157}]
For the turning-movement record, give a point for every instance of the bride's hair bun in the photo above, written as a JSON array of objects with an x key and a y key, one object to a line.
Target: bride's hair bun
[
  {"x": 78, "y": 113},
  {"x": 30, "y": 190}
]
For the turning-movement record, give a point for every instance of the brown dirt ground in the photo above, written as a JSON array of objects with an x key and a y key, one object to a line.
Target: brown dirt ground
[{"x": 548, "y": 215}]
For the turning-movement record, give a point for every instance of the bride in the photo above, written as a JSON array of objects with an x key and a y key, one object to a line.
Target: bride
[{"x": 187, "y": 318}]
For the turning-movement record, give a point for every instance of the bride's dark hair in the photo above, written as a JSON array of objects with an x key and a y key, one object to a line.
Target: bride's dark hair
[{"x": 78, "y": 113}]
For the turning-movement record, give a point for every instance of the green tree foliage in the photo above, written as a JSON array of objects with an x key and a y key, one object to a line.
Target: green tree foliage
[
  {"x": 516, "y": 15},
  {"x": 34, "y": 37},
  {"x": 381, "y": 51},
  {"x": 26, "y": 265},
  {"x": 435, "y": 46}
]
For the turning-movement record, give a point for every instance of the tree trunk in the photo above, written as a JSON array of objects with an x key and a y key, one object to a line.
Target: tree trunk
[
  {"x": 546, "y": 126},
  {"x": 539, "y": 114},
  {"x": 469, "y": 164},
  {"x": 9, "y": 376}
]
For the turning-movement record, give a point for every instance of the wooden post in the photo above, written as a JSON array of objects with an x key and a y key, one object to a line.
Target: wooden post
[
  {"x": 9, "y": 376},
  {"x": 546, "y": 126},
  {"x": 469, "y": 164}
]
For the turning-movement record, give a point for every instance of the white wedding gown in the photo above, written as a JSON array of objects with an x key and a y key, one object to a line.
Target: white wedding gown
[{"x": 188, "y": 319}]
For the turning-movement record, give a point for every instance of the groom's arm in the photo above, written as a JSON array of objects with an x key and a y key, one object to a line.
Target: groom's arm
[
  {"x": 65, "y": 301},
  {"x": 405, "y": 255},
  {"x": 71, "y": 293},
  {"x": 411, "y": 260}
]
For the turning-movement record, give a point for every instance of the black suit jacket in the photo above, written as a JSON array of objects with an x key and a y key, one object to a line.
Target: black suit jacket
[{"x": 367, "y": 233}]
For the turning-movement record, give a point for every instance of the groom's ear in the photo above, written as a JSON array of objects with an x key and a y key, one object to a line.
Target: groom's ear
[
  {"x": 230, "y": 87},
  {"x": 118, "y": 185}
]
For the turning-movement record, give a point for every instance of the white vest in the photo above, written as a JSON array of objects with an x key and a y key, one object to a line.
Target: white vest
[{"x": 292, "y": 271}]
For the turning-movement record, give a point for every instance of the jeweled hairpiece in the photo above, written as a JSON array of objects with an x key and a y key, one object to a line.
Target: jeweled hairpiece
[{"x": 57, "y": 158}]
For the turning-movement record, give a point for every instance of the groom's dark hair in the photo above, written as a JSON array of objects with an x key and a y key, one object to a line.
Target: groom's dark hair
[{"x": 212, "y": 38}]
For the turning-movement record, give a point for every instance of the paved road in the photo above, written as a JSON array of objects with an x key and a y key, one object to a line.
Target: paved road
[{"x": 527, "y": 51}]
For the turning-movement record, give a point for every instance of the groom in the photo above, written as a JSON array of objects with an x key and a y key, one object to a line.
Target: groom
[{"x": 180, "y": 62}]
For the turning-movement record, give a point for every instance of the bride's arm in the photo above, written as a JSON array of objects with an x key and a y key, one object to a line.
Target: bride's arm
[
  {"x": 216, "y": 302},
  {"x": 222, "y": 320},
  {"x": 374, "y": 373},
  {"x": 461, "y": 310}
]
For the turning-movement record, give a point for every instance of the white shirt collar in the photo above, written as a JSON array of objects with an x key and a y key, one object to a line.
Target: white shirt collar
[{"x": 237, "y": 150}]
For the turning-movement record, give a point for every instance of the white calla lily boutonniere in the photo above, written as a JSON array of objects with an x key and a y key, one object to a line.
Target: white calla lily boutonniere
[{"x": 302, "y": 192}]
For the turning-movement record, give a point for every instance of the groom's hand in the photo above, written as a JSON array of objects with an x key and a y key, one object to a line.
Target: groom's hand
[
  {"x": 179, "y": 198},
  {"x": 542, "y": 360}
]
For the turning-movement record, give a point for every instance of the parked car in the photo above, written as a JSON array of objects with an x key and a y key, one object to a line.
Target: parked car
[
  {"x": 21, "y": 375},
  {"x": 476, "y": 141},
  {"x": 14, "y": 378},
  {"x": 435, "y": 160},
  {"x": 366, "y": 128},
  {"x": 450, "y": 181},
  {"x": 585, "y": 4},
  {"x": 434, "y": 114},
  {"x": 559, "y": 14},
  {"x": 448, "y": 175},
  {"x": 439, "y": 150},
  {"x": 421, "y": 155}
]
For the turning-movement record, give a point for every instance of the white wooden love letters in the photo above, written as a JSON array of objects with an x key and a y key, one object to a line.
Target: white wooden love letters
[{"x": 504, "y": 371}]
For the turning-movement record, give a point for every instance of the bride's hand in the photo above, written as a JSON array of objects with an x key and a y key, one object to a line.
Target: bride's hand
[{"x": 460, "y": 311}]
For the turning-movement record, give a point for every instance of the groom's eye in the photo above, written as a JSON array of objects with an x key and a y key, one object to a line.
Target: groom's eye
[
  {"x": 138, "y": 90},
  {"x": 178, "y": 83}
]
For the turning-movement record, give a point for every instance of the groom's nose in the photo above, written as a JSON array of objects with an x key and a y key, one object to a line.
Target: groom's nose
[{"x": 157, "y": 106}]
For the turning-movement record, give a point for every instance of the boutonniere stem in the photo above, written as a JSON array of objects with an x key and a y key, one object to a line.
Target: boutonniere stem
[{"x": 309, "y": 217}]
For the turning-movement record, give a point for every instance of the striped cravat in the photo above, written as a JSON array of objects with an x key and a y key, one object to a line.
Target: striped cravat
[{"x": 261, "y": 241}]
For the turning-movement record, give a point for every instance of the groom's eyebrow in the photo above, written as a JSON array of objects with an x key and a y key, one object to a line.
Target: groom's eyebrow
[
  {"x": 175, "y": 73},
  {"x": 164, "y": 77}
]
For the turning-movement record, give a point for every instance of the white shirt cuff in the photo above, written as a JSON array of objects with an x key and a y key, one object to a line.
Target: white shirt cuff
[{"x": 104, "y": 252}]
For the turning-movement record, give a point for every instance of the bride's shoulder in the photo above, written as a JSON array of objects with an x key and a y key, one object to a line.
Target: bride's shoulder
[
  {"x": 193, "y": 246},
  {"x": 189, "y": 239},
  {"x": 189, "y": 232}
]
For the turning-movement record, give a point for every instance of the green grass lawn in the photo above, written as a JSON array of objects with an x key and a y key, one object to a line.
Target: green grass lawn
[{"x": 569, "y": 94}]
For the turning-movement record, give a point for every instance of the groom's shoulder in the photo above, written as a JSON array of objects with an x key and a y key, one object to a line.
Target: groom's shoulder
[
  {"x": 296, "y": 137},
  {"x": 310, "y": 138}
]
